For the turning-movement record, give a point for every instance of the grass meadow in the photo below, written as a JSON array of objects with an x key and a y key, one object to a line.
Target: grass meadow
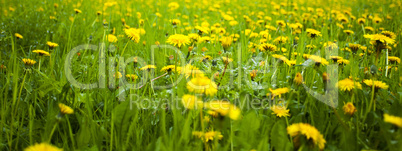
[{"x": 200, "y": 75}]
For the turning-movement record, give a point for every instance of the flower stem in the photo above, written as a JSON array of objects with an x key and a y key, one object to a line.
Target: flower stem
[{"x": 51, "y": 133}]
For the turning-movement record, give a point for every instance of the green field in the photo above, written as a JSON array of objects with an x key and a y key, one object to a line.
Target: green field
[{"x": 200, "y": 75}]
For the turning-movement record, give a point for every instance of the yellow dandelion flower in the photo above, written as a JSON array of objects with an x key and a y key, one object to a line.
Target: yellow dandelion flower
[
  {"x": 178, "y": 40},
  {"x": 354, "y": 47},
  {"x": 42, "y": 147},
  {"x": 202, "y": 85},
  {"x": 380, "y": 39},
  {"x": 349, "y": 32},
  {"x": 349, "y": 108},
  {"x": 227, "y": 60},
  {"x": 267, "y": 47},
  {"x": 335, "y": 58},
  {"x": 175, "y": 22},
  {"x": 280, "y": 111},
  {"x": 148, "y": 67},
  {"x": 281, "y": 40},
  {"x": 77, "y": 11},
  {"x": 111, "y": 38},
  {"x": 361, "y": 21},
  {"x": 318, "y": 60},
  {"x": 133, "y": 34},
  {"x": 192, "y": 102},
  {"x": 208, "y": 136},
  {"x": 310, "y": 132},
  {"x": 190, "y": 70},
  {"x": 226, "y": 42},
  {"x": 298, "y": 78},
  {"x": 369, "y": 29},
  {"x": 117, "y": 75},
  {"x": 19, "y": 36},
  {"x": 202, "y": 29},
  {"x": 28, "y": 62},
  {"x": 397, "y": 121},
  {"x": 278, "y": 92},
  {"x": 312, "y": 33},
  {"x": 206, "y": 58},
  {"x": 377, "y": 84},
  {"x": 389, "y": 34},
  {"x": 171, "y": 68},
  {"x": 52, "y": 44},
  {"x": 253, "y": 74},
  {"x": 343, "y": 62},
  {"x": 131, "y": 76},
  {"x": 224, "y": 108},
  {"x": 281, "y": 23},
  {"x": 41, "y": 52},
  {"x": 64, "y": 109},
  {"x": 394, "y": 59}
]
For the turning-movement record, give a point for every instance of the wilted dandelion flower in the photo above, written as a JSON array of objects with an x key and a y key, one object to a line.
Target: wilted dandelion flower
[
  {"x": 224, "y": 108},
  {"x": 133, "y": 34},
  {"x": 28, "y": 62},
  {"x": 349, "y": 108},
  {"x": 148, "y": 67},
  {"x": 397, "y": 121},
  {"x": 42, "y": 147},
  {"x": 64, "y": 109},
  {"x": 377, "y": 84},
  {"x": 310, "y": 132},
  {"x": 312, "y": 33},
  {"x": 192, "y": 102},
  {"x": 41, "y": 52},
  {"x": 202, "y": 85},
  {"x": 280, "y": 111},
  {"x": 278, "y": 92},
  {"x": 19, "y": 36},
  {"x": 178, "y": 40}
]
